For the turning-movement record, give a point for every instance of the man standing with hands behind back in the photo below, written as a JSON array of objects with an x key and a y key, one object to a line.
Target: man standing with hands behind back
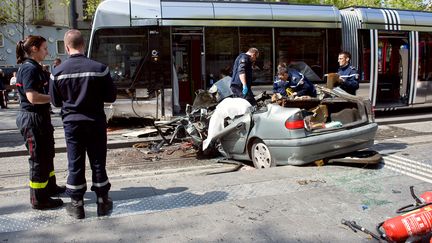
[
  {"x": 81, "y": 86},
  {"x": 241, "y": 81}
]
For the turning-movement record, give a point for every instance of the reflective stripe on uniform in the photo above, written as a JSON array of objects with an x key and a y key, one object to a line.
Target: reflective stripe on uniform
[
  {"x": 101, "y": 184},
  {"x": 76, "y": 187},
  {"x": 347, "y": 76},
  {"x": 51, "y": 174},
  {"x": 81, "y": 75},
  {"x": 38, "y": 185}
]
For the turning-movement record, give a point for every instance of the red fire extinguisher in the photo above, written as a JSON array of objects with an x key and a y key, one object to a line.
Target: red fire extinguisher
[
  {"x": 416, "y": 222},
  {"x": 412, "y": 224},
  {"x": 424, "y": 198}
]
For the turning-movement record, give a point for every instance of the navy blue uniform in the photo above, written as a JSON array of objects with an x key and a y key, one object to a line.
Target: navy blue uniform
[
  {"x": 301, "y": 88},
  {"x": 242, "y": 65},
  {"x": 350, "y": 77},
  {"x": 280, "y": 86},
  {"x": 34, "y": 123},
  {"x": 81, "y": 86}
]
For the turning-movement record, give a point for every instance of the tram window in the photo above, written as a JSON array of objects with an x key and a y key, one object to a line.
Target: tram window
[
  {"x": 121, "y": 50},
  {"x": 260, "y": 38},
  {"x": 128, "y": 53},
  {"x": 293, "y": 45},
  {"x": 221, "y": 51},
  {"x": 425, "y": 56}
]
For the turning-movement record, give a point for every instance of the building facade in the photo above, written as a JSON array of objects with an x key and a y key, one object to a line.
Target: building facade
[{"x": 48, "y": 18}]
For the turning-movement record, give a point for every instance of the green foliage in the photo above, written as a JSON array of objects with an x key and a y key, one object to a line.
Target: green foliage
[
  {"x": 9, "y": 11},
  {"x": 399, "y": 4},
  {"x": 90, "y": 9},
  {"x": 405, "y": 4}
]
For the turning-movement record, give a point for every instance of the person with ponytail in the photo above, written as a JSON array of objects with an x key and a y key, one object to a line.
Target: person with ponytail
[{"x": 34, "y": 122}]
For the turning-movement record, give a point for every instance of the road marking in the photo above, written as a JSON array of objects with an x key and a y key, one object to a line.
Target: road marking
[{"x": 412, "y": 168}]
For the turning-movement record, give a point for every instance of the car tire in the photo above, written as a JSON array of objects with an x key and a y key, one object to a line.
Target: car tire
[{"x": 261, "y": 156}]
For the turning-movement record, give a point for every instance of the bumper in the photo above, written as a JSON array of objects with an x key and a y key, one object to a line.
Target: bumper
[{"x": 305, "y": 150}]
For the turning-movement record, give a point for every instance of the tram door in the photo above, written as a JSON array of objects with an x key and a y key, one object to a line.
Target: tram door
[
  {"x": 187, "y": 47},
  {"x": 393, "y": 69}
]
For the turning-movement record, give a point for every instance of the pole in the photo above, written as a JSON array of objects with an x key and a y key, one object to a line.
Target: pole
[
  {"x": 73, "y": 15},
  {"x": 21, "y": 21}
]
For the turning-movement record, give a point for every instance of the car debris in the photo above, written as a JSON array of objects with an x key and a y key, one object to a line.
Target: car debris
[{"x": 282, "y": 131}]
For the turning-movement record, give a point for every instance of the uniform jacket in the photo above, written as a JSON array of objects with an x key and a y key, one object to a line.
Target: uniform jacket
[
  {"x": 280, "y": 86},
  {"x": 31, "y": 77},
  {"x": 350, "y": 77},
  {"x": 242, "y": 65},
  {"x": 307, "y": 88},
  {"x": 81, "y": 86}
]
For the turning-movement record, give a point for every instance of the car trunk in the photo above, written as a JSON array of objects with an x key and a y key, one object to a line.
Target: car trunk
[{"x": 329, "y": 114}]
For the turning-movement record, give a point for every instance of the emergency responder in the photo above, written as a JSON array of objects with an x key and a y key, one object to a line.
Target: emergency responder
[
  {"x": 81, "y": 86},
  {"x": 281, "y": 82},
  {"x": 34, "y": 122},
  {"x": 57, "y": 61},
  {"x": 295, "y": 82},
  {"x": 347, "y": 73},
  {"x": 242, "y": 75},
  {"x": 300, "y": 84}
]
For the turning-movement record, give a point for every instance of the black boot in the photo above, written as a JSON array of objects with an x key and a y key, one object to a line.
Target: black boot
[
  {"x": 104, "y": 205},
  {"x": 53, "y": 188},
  {"x": 47, "y": 204},
  {"x": 76, "y": 208},
  {"x": 41, "y": 201},
  {"x": 57, "y": 190}
]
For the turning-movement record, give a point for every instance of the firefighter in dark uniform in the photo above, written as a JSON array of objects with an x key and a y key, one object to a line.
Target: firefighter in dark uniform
[
  {"x": 34, "y": 122},
  {"x": 242, "y": 75},
  {"x": 300, "y": 84},
  {"x": 296, "y": 82},
  {"x": 348, "y": 74},
  {"x": 81, "y": 86}
]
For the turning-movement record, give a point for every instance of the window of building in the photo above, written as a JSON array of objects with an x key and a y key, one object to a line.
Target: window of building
[
  {"x": 1, "y": 40},
  {"x": 39, "y": 9},
  {"x": 60, "y": 47}
]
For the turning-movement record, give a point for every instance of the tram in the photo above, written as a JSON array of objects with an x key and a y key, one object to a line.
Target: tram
[{"x": 161, "y": 51}]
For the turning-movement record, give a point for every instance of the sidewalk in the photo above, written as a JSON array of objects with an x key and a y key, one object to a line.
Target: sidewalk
[{"x": 283, "y": 204}]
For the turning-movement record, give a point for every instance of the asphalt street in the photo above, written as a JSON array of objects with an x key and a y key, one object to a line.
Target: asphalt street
[{"x": 207, "y": 201}]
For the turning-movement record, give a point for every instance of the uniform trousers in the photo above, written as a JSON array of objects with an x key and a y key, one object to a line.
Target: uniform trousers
[
  {"x": 38, "y": 133},
  {"x": 86, "y": 137}
]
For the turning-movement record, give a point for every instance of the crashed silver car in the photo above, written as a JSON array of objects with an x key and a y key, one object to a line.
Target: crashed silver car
[{"x": 297, "y": 131}]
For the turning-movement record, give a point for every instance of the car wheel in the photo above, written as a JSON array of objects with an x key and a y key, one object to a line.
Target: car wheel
[{"x": 261, "y": 156}]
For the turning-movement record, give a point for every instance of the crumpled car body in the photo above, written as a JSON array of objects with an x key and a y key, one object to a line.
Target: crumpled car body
[{"x": 297, "y": 134}]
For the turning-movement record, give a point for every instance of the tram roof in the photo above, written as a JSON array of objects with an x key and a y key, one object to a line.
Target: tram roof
[
  {"x": 389, "y": 19},
  {"x": 116, "y": 13}
]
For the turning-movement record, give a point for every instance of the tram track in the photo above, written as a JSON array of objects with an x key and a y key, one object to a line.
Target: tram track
[{"x": 134, "y": 170}]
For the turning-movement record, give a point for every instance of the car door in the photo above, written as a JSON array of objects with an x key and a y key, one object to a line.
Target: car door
[{"x": 235, "y": 141}]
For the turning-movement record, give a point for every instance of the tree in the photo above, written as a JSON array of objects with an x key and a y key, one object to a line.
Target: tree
[
  {"x": 12, "y": 12},
  {"x": 399, "y": 4},
  {"x": 406, "y": 4},
  {"x": 90, "y": 9}
]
